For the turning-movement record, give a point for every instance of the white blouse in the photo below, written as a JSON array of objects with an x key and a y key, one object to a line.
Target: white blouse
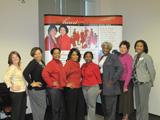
[{"x": 101, "y": 63}]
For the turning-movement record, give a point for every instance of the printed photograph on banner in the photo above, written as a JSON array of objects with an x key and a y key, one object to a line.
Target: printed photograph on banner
[
  {"x": 84, "y": 37},
  {"x": 57, "y": 36}
]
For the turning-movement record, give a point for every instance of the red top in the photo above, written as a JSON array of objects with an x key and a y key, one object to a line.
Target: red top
[
  {"x": 71, "y": 73},
  {"x": 77, "y": 36},
  {"x": 50, "y": 43},
  {"x": 91, "y": 74},
  {"x": 86, "y": 32},
  {"x": 73, "y": 42},
  {"x": 92, "y": 33},
  {"x": 64, "y": 42},
  {"x": 51, "y": 73},
  {"x": 82, "y": 37},
  {"x": 74, "y": 33}
]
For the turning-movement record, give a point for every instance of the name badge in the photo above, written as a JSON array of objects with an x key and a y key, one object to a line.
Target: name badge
[{"x": 141, "y": 58}]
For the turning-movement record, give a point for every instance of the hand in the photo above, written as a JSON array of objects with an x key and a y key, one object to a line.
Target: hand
[
  {"x": 36, "y": 84},
  {"x": 125, "y": 89},
  {"x": 55, "y": 83},
  {"x": 152, "y": 86},
  {"x": 70, "y": 85},
  {"x": 16, "y": 88},
  {"x": 100, "y": 91},
  {"x": 110, "y": 83}
]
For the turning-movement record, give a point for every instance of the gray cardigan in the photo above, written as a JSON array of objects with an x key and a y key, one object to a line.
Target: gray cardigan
[{"x": 144, "y": 69}]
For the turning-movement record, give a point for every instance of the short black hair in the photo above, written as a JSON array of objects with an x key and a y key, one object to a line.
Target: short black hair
[
  {"x": 77, "y": 51},
  {"x": 87, "y": 53},
  {"x": 55, "y": 49},
  {"x": 124, "y": 42},
  {"x": 52, "y": 27},
  {"x": 33, "y": 51},
  {"x": 144, "y": 44},
  {"x": 65, "y": 27}
]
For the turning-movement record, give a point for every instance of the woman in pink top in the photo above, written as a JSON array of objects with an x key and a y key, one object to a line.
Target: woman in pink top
[{"x": 126, "y": 85}]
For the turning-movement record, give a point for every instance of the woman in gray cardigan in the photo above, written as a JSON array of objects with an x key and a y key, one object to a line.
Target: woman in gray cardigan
[{"x": 143, "y": 76}]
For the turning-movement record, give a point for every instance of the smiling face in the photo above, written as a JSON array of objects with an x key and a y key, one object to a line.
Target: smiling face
[
  {"x": 106, "y": 50},
  {"x": 62, "y": 31},
  {"x": 15, "y": 59},
  {"x": 123, "y": 49},
  {"x": 38, "y": 55},
  {"x": 139, "y": 47},
  {"x": 56, "y": 54},
  {"x": 74, "y": 56},
  {"x": 88, "y": 58},
  {"x": 53, "y": 32}
]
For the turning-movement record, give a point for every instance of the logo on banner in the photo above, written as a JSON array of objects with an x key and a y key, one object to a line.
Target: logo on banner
[{"x": 67, "y": 21}]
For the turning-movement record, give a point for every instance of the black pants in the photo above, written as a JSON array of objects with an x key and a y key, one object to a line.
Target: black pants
[
  {"x": 57, "y": 103},
  {"x": 18, "y": 101},
  {"x": 75, "y": 104}
]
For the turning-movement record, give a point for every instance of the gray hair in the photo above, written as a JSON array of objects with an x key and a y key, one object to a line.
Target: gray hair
[{"x": 107, "y": 43}]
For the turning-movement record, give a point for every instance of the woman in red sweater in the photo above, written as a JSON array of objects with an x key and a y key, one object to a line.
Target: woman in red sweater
[
  {"x": 90, "y": 84},
  {"x": 70, "y": 78},
  {"x": 64, "y": 39},
  {"x": 51, "y": 75}
]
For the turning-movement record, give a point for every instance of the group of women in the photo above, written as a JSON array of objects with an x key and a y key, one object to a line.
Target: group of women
[{"x": 70, "y": 86}]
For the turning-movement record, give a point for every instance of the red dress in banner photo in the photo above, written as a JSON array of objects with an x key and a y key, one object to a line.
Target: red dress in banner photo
[
  {"x": 86, "y": 33},
  {"x": 77, "y": 36},
  {"x": 64, "y": 42},
  {"x": 51, "y": 43},
  {"x": 74, "y": 33},
  {"x": 82, "y": 37},
  {"x": 73, "y": 41}
]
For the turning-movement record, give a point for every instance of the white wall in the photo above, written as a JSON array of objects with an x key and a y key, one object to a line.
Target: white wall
[
  {"x": 18, "y": 31},
  {"x": 141, "y": 20}
]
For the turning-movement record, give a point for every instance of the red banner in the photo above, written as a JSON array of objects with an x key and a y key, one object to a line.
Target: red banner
[{"x": 82, "y": 20}]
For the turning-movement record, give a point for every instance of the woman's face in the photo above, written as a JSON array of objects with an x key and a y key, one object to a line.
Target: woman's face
[
  {"x": 123, "y": 49},
  {"x": 15, "y": 59},
  {"x": 62, "y": 31},
  {"x": 74, "y": 56},
  {"x": 139, "y": 47},
  {"x": 56, "y": 54},
  {"x": 88, "y": 58},
  {"x": 106, "y": 50},
  {"x": 38, "y": 55},
  {"x": 53, "y": 32}
]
